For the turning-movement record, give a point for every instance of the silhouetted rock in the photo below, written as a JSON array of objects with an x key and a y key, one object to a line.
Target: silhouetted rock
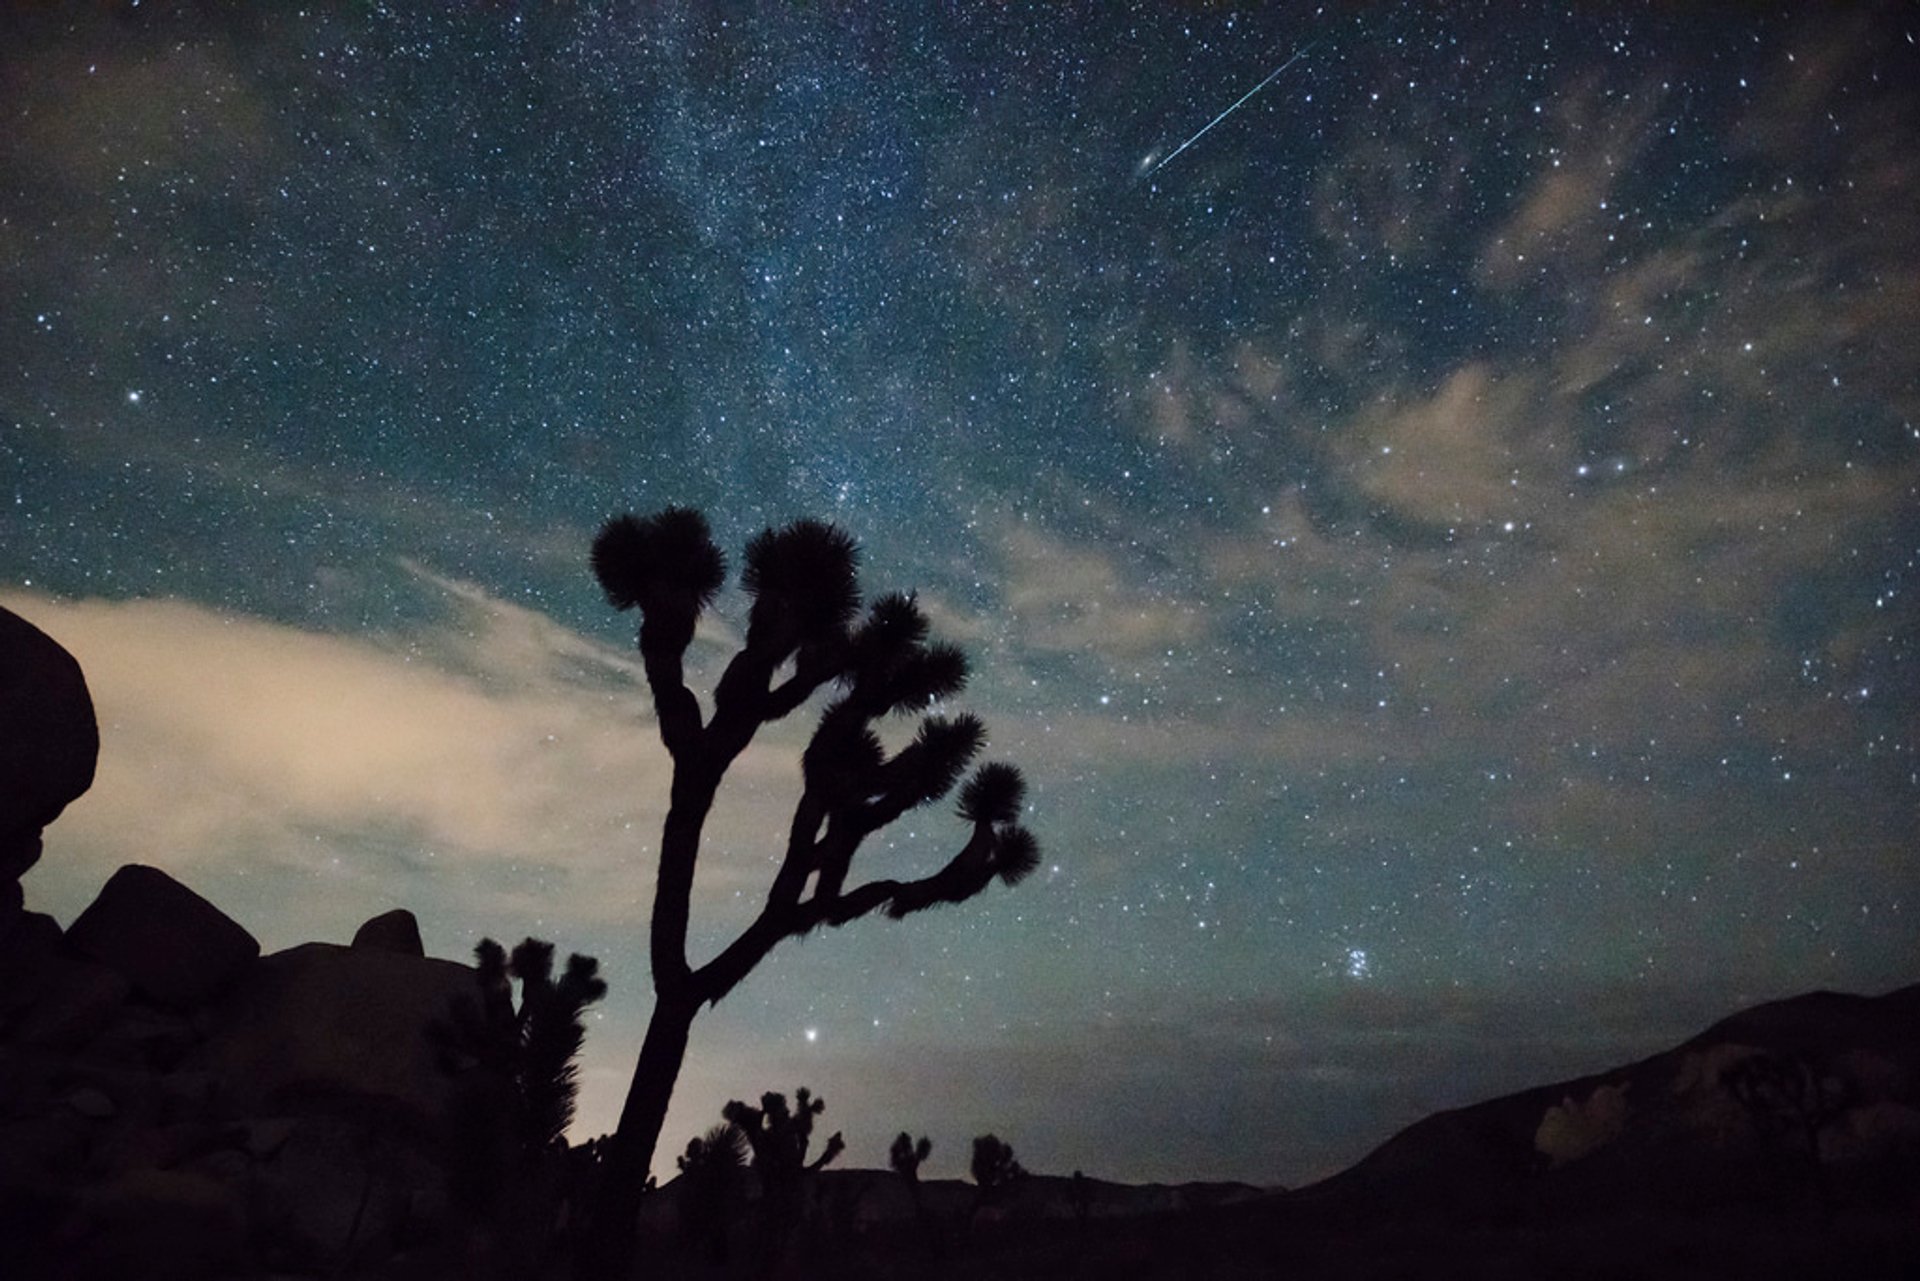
[
  {"x": 336, "y": 1190},
  {"x": 28, "y": 952},
  {"x": 171, "y": 944},
  {"x": 157, "y": 1224},
  {"x": 76, "y": 1001},
  {"x": 321, "y": 1025},
  {"x": 174, "y": 1104},
  {"x": 396, "y": 931},
  {"x": 49, "y": 742}
]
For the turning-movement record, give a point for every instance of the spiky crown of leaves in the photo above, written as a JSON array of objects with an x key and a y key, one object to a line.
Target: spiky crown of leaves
[
  {"x": 803, "y": 580},
  {"x": 664, "y": 561}
]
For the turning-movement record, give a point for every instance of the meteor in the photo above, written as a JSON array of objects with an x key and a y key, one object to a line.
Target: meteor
[{"x": 1161, "y": 163}]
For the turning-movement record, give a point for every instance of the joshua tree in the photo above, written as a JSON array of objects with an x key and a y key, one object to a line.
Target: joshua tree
[
  {"x": 710, "y": 1186},
  {"x": 1790, "y": 1104},
  {"x": 779, "y": 1137},
  {"x": 804, "y": 633},
  {"x": 906, "y": 1157},
  {"x": 546, "y": 1033},
  {"x": 993, "y": 1167},
  {"x": 518, "y": 1081}
]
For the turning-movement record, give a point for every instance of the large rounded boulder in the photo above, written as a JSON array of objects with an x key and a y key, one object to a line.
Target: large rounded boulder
[
  {"x": 323, "y": 1028},
  {"x": 49, "y": 742}
]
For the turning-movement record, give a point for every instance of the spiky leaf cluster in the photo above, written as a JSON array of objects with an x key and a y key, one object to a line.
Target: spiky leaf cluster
[
  {"x": 993, "y": 795},
  {"x": 664, "y": 561},
  {"x": 927, "y": 768},
  {"x": 722, "y": 1147},
  {"x": 890, "y": 666},
  {"x": 804, "y": 584},
  {"x": 1016, "y": 854}
]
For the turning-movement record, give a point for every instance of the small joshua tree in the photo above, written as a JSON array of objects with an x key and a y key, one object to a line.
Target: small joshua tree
[
  {"x": 1790, "y": 1104},
  {"x": 517, "y": 1080},
  {"x": 805, "y": 633},
  {"x": 710, "y": 1186},
  {"x": 994, "y": 1168},
  {"x": 906, "y": 1156},
  {"x": 779, "y": 1138}
]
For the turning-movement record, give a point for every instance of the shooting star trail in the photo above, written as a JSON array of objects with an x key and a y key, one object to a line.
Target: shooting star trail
[{"x": 1162, "y": 163}]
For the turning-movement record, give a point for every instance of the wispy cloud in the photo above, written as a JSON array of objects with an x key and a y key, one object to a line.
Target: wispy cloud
[
  {"x": 1078, "y": 598},
  {"x": 494, "y": 758}
]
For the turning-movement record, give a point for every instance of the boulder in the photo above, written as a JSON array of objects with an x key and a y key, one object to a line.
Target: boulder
[
  {"x": 338, "y": 1191},
  {"x": 75, "y": 1002},
  {"x": 171, "y": 944},
  {"x": 157, "y": 1224},
  {"x": 49, "y": 742},
  {"x": 324, "y": 1028},
  {"x": 396, "y": 931}
]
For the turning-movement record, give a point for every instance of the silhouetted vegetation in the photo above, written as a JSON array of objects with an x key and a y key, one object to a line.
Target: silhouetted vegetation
[
  {"x": 993, "y": 1169},
  {"x": 518, "y": 1082},
  {"x": 805, "y": 633},
  {"x": 1789, "y": 1103},
  {"x": 906, "y": 1157},
  {"x": 779, "y": 1137},
  {"x": 710, "y": 1188}
]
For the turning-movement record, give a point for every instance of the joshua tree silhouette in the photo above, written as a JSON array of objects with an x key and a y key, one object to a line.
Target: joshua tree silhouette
[
  {"x": 906, "y": 1157},
  {"x": 778, "y": 1137},
  {"x": 804, "y": 632},
  {"x": 994, "y": 1168},
  {"x": 517, "y": 1081},
  {"x": 710, "y": 1187}
]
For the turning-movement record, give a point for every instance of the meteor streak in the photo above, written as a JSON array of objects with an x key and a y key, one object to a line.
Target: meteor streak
[{"x": 1299, "y": 54}]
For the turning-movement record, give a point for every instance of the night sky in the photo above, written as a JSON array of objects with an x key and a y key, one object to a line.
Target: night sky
[{"x": 1441, "y": 536}]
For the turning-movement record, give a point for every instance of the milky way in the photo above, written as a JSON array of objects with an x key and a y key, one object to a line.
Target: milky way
[{"x": 1444, "y": 552}]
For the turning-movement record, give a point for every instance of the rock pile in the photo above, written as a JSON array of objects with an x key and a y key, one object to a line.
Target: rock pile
[{"x": 174, "y": 1104}]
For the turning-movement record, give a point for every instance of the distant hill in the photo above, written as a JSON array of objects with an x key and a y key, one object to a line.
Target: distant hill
[{"x": 1821, "y": 1090}]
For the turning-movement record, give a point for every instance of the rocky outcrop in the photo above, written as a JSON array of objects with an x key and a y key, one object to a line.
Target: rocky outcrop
[
  {"x": 172, "y": 1104},
  {"x": 324, "y": 1027},
  {"x": 171, "y": 944},
  {"x": 49, "y": 742},
  {"x": 396, "y": 931}
]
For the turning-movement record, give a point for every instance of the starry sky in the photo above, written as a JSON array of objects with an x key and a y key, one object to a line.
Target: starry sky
[{"x": 1432, "y": 495}]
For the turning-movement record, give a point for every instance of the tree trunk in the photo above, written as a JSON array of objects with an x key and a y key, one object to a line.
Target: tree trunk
[{"x": 608, "y": 1250}]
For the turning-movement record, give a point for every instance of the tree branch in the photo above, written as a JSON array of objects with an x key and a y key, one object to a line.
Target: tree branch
[{"x": 662, "y": 648}]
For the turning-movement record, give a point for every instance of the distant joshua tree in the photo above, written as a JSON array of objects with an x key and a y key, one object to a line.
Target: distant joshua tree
[
  {"x": 804, "y": 634},
  {"x": 906, "y": 1156},
  {"x": 779, "y": 1138},
  {"x": 710, "y": 1174},
  {"x": 1790, "y": 1104},
  {"x": 994, "y": 1168}
]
